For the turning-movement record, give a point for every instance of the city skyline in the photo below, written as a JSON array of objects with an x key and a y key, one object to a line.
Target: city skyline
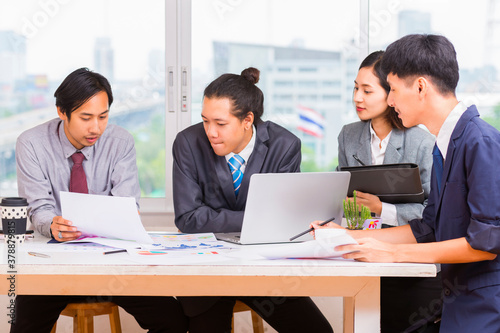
[
  {"x": 128, "y": 46},
  {"x": 49, "y": 27}
]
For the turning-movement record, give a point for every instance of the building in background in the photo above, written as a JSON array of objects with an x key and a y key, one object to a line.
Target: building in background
[
  {"x": 104, "y": 58},
  {"x": 12, "y": 70},
  {"x": 492, "y": 34},
  {"x": 12, "y": 57},
  {"x": 478, "y": 85},
  {"x": 413, "y": 22}
]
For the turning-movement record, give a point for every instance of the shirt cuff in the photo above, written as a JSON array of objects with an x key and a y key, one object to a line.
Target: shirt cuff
[
  {"x": 422, "y": 232},
  {"x": 41, "y": 222},
  {"x": 484, "y": 236},
  {"x": 389, "y": 214}
]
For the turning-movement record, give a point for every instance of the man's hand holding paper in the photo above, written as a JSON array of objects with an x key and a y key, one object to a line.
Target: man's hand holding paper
[
  {"x": 103, "y": 216},
  {"x": 63, "y": 230},
  {"x": 369, "y": 250}
]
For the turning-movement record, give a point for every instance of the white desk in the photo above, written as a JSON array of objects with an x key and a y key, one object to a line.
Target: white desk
[{"x": 96, "y": 274}]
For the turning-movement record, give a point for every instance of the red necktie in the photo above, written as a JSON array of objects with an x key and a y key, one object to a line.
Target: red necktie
[{"x": 78, "y": 180}]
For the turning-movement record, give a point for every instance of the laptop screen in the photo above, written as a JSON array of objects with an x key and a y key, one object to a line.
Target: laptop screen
[{"x": 281, "y": 205}]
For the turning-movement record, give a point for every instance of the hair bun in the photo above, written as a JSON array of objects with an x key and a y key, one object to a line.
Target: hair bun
[{"x": 251, "y": 74}]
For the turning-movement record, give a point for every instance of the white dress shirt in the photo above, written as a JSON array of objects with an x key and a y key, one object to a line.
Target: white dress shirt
[
  {"x": 444, "y": 135},
  {"x": 246, "y": 152},
  {"x": 389, "y": 214}
]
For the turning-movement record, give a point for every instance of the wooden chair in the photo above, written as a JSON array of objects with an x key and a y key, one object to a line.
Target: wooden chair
[
  {"x": 257, "y": 322},
  {"x": 83, "y": 316}
]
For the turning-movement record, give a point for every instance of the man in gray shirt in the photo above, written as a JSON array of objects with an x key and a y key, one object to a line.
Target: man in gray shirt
[{"x": 45, "y": 157}]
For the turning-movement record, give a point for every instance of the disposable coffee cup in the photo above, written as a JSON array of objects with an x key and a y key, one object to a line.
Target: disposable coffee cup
[{"x": 14, "y": 218}]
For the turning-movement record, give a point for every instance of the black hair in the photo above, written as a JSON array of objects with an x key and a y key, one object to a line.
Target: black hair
[
  {"x": 424, "y": 55},
  {"x": 373, "y": 60},
  {"x": 78, "y": 87},
  {"x": 241, "y": 90}
]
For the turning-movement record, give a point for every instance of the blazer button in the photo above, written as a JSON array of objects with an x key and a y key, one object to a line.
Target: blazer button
[{"x": 447, "y": 292}]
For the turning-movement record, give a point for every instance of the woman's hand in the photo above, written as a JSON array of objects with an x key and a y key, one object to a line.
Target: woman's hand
[{"x": 372, "y": 202}]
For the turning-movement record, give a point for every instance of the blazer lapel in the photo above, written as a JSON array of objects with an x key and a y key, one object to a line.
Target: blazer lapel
[
  {"x": 255, "y": 161},
  {"x": 470, "y": 113},
  {"x": 393, "y": 151},
  {"x": 225, "y": 179},
  {"x": 363, "y": 151},
  {"x": 446, "y": 170}
]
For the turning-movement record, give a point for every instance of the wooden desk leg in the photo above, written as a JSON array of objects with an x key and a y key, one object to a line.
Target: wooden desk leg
[
  {"x": 362, "y": 312},
  {"x": 348, "y": 314}
]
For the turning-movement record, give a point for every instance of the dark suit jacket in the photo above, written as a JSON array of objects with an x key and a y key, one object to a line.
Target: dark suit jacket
[
  {"x": 466, "y": 206},
  {"x": 204, "y": 199},
  {"x": 413, "y": 145}
]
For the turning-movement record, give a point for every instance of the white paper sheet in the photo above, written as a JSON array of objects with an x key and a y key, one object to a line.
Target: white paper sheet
[
  {"x": 104, "y": 216},
  {"x": 68, "y": 247},
  {"x": 115, "y": 243},
  {"x": 322, "y": 247}
]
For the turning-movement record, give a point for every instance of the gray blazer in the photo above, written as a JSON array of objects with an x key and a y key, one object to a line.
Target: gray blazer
[{"x": 413, "y": 145}]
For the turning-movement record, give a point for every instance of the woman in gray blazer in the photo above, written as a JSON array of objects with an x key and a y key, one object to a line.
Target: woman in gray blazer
[
  {"x": 381, "y": 138},
  {"x": 213, "y": 162}
]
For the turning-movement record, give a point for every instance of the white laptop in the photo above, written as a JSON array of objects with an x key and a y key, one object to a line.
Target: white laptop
[{"x": 282, "y": 205}]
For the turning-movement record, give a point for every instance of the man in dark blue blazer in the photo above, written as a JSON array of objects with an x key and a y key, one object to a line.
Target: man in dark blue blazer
[{"x": 460, "y": 225}]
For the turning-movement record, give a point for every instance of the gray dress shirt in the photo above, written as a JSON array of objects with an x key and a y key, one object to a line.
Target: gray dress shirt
[{"x": 43, "y": 156}]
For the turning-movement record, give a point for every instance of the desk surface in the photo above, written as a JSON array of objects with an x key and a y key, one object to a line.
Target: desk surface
[
  {"x": 99, "y": 267},
  {"x": 210, "y": 275}
]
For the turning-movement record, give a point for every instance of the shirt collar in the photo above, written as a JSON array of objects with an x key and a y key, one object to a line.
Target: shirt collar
[
  {"x": 444, "y": 135},
  {"x": 375, "y": 138},
  {"x": 247, "y": 151}
]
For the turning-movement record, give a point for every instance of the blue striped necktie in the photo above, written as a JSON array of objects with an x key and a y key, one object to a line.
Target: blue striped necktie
[
  {"x": 438, "y": 165},
  {"x": 235, "y": 164}
]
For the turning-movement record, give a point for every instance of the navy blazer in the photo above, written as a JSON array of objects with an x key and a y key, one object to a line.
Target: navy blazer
[
  {"x": 466, "y": 206},
  {"x": 204, "y": 199}
]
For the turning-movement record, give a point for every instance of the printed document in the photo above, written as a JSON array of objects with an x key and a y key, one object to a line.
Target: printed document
[{"x": 104, "y": 216}]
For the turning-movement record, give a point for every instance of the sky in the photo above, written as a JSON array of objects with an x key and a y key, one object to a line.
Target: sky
[
  {"x": 328, "y": 25},
  {"x": 462, "y": 22},
  {"x": 61, "y": 33}
]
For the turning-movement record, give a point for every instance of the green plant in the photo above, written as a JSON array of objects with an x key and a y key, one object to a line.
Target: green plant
[{"x": 355, "y": 216}]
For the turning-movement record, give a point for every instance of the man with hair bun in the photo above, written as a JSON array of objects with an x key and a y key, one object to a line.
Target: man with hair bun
[{"x": 230, "y": 145}]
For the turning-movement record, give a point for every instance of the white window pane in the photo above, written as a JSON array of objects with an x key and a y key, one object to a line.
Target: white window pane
[
  {"x": 43, "y": 41},
  {"x": 307, "y": 53}
]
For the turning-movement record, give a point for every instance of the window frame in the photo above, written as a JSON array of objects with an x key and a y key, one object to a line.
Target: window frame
[
  {"x": 178, "y": 86},
  {"x": 177, "y": 93}
]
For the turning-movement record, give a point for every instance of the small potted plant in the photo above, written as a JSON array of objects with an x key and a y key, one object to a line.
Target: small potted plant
[{"x": 355, "y": 215}]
